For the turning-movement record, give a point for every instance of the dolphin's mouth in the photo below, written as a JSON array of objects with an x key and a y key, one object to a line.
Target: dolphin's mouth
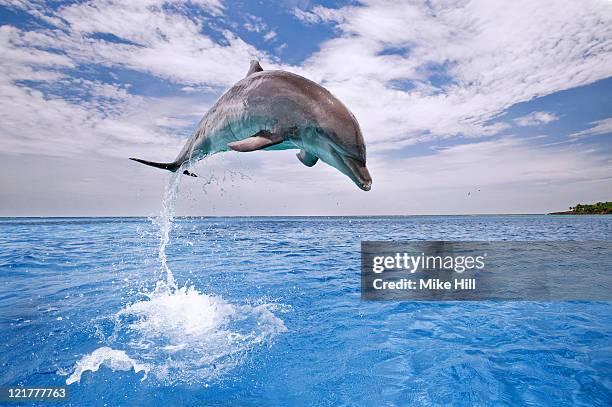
[{"x": 359, "y": 173}]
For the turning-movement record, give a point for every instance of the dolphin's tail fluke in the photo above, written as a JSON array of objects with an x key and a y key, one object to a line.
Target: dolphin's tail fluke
[{"x": 164, "y": 166}]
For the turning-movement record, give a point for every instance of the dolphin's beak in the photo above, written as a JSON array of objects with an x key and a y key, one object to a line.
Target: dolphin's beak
[{"x": 359, "y": 173}]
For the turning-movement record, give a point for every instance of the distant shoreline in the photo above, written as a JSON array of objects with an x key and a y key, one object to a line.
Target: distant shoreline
[
  {"x": 577, "y": 214},
  {"x": 599, "y": 208}
]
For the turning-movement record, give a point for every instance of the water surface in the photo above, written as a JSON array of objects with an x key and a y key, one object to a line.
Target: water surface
[{"x": 268, "y": 312}]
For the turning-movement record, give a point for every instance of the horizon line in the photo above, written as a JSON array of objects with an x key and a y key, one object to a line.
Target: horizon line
[{"x": 276, "y": 216}]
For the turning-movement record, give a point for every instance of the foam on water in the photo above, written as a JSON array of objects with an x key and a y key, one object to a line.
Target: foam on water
[
  {"x": 190, "y": 337},
  {"x": 181, "y": 334},
  {"x": 114, "y": 359}
]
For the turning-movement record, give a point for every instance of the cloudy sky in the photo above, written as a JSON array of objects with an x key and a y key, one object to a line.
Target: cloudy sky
[{"x": 466, "y": 106}]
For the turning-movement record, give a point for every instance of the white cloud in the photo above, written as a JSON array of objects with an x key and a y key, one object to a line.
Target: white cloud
[
  {"x": 62, "y": 115},
  {"x": 157, "y": 40},
  {"x": 21, "y": 62},
  {"x": 501, "y": 162},
  {"x": 255, "y": 24},
  {"x": 270, "y": 35},
  {"x": 597, "y": 128},
  {"x": 535, "y": 119},
  {"x": 492, "y": 59},
  {"x": 319, "y": 14},
  {"x": 168, "y": 44},
  {"x": 112, "y": 123},
  {"x": 93, "y": 119}
]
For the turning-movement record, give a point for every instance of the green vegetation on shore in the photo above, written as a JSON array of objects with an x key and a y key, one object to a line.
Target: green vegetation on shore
[{"x": 599, "y": 208}]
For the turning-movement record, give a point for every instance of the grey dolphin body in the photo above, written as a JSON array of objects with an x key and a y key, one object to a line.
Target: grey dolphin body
[{"x": 278, "y": 110}]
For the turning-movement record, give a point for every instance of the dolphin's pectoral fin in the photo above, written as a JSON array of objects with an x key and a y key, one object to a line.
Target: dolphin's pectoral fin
[
  {"x": 255, "y": 67},
  {"x": 260, "y": 140},
  {"x": 307, "y": 158}
]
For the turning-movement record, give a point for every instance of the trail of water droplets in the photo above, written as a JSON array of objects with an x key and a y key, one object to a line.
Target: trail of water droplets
[{"x": 165, "y": 222}]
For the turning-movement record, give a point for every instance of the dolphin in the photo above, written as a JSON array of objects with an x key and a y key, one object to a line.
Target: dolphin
[{"x": 278, "y": 110}]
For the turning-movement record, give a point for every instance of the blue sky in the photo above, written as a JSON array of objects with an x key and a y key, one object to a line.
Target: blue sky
[{"x": 466, "y": 106}]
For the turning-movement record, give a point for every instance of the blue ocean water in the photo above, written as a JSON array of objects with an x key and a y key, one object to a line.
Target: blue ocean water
[{"x": 269, "y": 313}]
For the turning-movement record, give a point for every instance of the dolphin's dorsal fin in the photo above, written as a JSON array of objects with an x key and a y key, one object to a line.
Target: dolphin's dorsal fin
[{"x": 255, "y": 67}]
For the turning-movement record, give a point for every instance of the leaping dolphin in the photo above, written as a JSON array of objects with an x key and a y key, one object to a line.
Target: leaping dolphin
[{"x": 279, "y": 110}]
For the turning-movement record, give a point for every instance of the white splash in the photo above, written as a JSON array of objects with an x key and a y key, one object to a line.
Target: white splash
[
  {"x": 193, "y": 337},
  {"x": 114, "y": 359},
  {"x": 185, "y": 336},
  {"x": 164, "y": 221},
  {"x": 180, "y": 334},
  {"x": 181, "y": 314}
]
